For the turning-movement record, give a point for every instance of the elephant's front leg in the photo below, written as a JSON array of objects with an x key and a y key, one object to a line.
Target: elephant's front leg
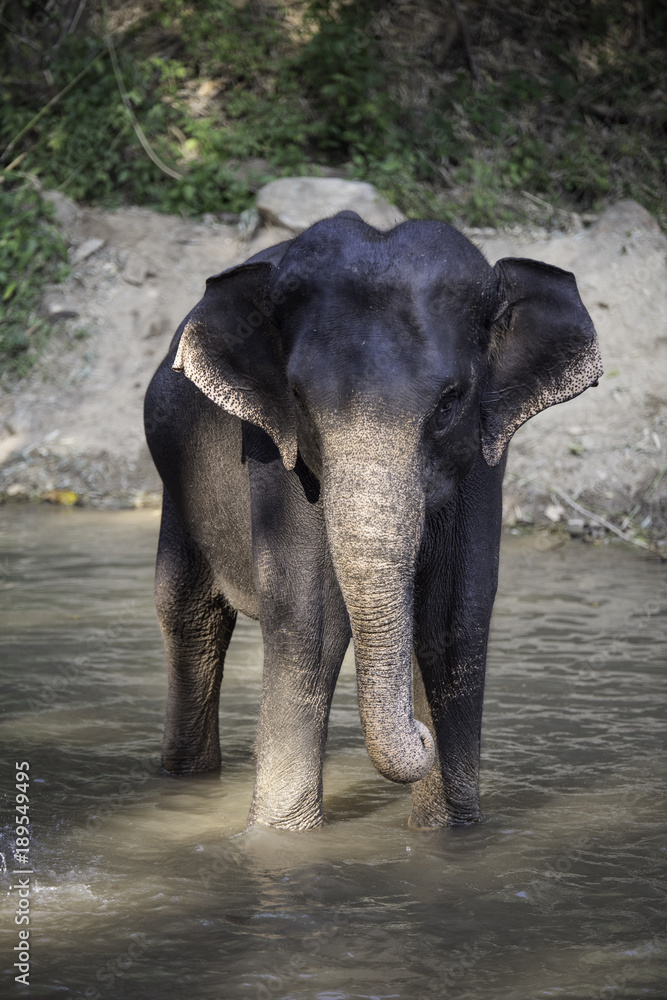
[
  {"x": 455, "y": 592},
  {"x": 451, "y": 706},
  {"x": 306, "y": 632},
  {"x": 300, "y": 675}
]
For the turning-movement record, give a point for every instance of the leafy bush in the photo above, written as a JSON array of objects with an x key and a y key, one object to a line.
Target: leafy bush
[
  {"x": 298, "y": 84},
  {"x": 344, "y": 77},
  {"x": 32, "y": 253}
]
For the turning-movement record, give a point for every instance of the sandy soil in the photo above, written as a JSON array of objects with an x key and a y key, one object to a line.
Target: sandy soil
[{"x": 74, "y": 425}]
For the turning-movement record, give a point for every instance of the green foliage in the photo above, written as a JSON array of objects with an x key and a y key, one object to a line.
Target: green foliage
[
  {"x": 32, "y": 254},
  {"x": 571, "y": 114},
  {"x": 345, "y": 80},
  {"x": 296, "y": 84}
]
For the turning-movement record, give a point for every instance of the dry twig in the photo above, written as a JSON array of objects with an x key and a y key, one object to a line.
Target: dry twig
[
  {"x": 600, "y": 520},
  {"x": 128, "y": 107},
  {"x": 467, "y": 45},
  {"x": 54, "y": 100}
]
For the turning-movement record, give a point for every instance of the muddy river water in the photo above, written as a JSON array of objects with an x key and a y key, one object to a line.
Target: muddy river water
[{"x": 144, "y": 886}]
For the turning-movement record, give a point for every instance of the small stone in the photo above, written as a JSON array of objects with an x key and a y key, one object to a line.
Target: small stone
[
  {"x": 624, "y": 216},
  {"x": 61, "y": 309},
  {"x": 554, "y": 512},
  {"x": 86, "y": 250},
  {"x": 16, "y": 490},
  {"x": 209, "y": 88},
  {"x": 159, "y": 328},
  {"x": 18, "y": 423},
  {"x": 135, "y": 269},
  {"x": 66, "y": 211},
  {"x": 576, "y": 527},
  {"x": 248, "y": 223}
]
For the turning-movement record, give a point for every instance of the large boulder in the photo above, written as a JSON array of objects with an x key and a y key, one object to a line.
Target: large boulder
[{"x": 294, "y": 203}]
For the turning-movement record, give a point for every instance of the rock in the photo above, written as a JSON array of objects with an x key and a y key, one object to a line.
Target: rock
[
  {"x": 248, "y": 223},
  {"x": 554, "y": 512},
  {"x": 209, "y": 88},
  {"x": 297, "y": 202},
  {"x": 160, "y": 327},
  {"x": 253, "y": 171},
  {"x": 66, "y": 210},
  {"x": 18, "y": 423},
  {"x": 86, "y": 250},
  {"x": 621, "y": 219},
  {"x": 61, "y": 309},
  {"x": 267, "y": 236},
  {"x": 135, "y": 269},
  {"x": 17, "y": 490}
]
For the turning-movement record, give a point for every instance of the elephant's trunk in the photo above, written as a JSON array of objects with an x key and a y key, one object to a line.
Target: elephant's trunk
[{"x": 374, "y": 509}]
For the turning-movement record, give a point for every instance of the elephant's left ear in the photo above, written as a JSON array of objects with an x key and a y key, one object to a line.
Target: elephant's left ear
[
  {"x": 543, "y": 349},
  {"x": 232, "y": 351}
]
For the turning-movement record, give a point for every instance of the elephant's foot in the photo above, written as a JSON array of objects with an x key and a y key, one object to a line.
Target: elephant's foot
[
  {"x": 297, "y": 821},
  {"x": 436, "y": 804},
  {"x": 286, "y": 808},
  {"x": 433, "y": 819},
  {"x": 297, "y": 824}
]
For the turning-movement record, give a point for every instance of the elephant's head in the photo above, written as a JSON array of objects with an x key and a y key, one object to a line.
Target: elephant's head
[{"x": 387, "y": 360}]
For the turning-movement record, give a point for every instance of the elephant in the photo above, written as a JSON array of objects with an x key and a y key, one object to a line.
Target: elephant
[{"x": 331, "y": 426}]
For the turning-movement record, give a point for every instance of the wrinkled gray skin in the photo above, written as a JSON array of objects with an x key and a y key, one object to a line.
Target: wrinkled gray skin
[{"x": 330, "y": 425}]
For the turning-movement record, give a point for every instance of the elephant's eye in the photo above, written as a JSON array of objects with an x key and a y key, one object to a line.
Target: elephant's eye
[
  {"x": 300, "y": 403},
  {"x": 444, "y": 412}
]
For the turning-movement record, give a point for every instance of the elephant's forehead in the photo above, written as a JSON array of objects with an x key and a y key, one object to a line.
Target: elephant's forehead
[
  {"x": 397, "y": 309},
  {"x": 417, "y": 253},
  {"x": 378, "y": 303},
  {"x": 340, "y": 354}
]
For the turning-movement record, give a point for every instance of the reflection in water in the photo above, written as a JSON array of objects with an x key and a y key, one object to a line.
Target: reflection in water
[{"x": 145, "y": 886}]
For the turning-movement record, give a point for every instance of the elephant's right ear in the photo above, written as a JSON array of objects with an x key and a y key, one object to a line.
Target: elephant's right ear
[
  {"x": 231, "y": 351},
  {"x": 543, "y": 350}
]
